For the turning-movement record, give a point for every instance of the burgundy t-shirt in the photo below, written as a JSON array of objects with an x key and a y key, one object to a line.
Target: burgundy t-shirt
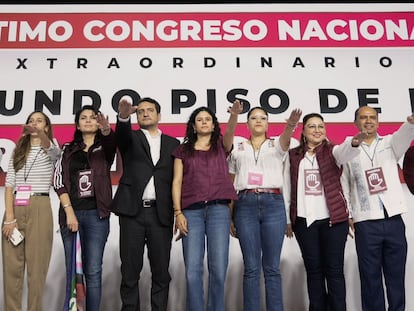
[{"x": 206, "y": 176}]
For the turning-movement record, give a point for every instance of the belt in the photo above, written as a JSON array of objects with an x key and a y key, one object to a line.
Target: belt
[
  {"x": 207, "y": 203},
  {"x": 40, "y": 194},
  {"x": 149, "y": 203},
  {"x": 261, "y": 190}
]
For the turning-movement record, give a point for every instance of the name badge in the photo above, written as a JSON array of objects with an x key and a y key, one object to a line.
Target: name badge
[
  {"x": 85, "y": 184},
  {"x": 375, "y": 180},
  {"x": 22, "y": 197},
  {"x": 313, "y": 183},
  {"x": 255, "y": 178}
]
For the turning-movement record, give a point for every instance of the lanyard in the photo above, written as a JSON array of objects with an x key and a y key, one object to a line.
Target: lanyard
[
  {"x": 30, "y": 168},
  {"x": 373, "y": 154},
  {"x": 310, "y": 161},
  {"x": 256, "y": 158}
]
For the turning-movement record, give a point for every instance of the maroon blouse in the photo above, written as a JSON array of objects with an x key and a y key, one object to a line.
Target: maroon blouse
[{"x": 206, "y": 176}]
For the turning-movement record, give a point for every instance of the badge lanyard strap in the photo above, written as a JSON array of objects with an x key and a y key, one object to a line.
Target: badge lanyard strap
[
  {"x": 256, "y": 158},
  {"x": 373, "y": 155},
  {"x": 310, "y": 161},
  {"x": 372, "y": 165},
  {"x": 25, "y": 176}
]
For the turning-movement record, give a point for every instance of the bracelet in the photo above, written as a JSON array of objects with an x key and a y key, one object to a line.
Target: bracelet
[
  {"x": 67, "y": 205},
  {"x": 178, "y": 214},
  {"x": 10, "y": 222}
]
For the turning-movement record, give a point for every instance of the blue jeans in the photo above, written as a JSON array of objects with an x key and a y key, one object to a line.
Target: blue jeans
[
  {"x": 211, "y": 222},
  {"x": 93, "y": 233},
  {"x": 323, "y": 246},
  {"x": 260, "y": 221}
]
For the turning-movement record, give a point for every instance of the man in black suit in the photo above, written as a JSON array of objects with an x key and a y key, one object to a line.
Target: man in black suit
[{"x": 143, "y": 201}]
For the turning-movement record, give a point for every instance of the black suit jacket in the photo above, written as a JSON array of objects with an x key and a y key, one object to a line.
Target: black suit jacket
[{"x": 138, "y": 169}]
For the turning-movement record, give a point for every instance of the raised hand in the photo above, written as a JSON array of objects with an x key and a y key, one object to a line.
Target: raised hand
[
  {"x": 103, "y": 121},
  {"x": 294, "y": 117},
  {"x": 125, "y": 108},
  {"x": 236, "y": 108}
]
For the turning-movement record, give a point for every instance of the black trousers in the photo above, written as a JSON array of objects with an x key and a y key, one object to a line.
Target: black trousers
[
  {"x": 135, "y": 233},
  {"x": 322, "y": 247}
]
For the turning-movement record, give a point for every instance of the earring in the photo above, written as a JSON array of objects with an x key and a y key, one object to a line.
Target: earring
[{"x": 195, "y": 131}]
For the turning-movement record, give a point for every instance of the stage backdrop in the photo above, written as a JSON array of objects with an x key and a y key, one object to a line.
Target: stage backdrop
[{"x": 324, "y": 58}]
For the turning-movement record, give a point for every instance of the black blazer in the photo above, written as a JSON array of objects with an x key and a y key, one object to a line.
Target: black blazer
[{"x": 138, "y": 169}]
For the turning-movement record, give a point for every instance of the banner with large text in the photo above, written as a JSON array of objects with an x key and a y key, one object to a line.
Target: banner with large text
[{"x": 330, "y": 59}]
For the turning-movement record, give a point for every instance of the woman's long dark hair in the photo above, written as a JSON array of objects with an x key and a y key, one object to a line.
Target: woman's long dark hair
[
  {"x": 191, "y": 137},
  {"x": 77, "y": 136},
  {"x": 302, "y": 144},
  {"x": 23, "y": 145}
]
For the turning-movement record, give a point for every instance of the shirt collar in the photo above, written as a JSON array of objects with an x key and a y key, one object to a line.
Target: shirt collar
[
  {"x": 148, "y": 135},
  {"x": 377, "y": 139}
]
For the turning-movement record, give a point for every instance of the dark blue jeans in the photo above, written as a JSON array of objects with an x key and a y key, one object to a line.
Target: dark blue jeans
[
  {"x": 93, "y": 233},
  {"x": 323, "y": 247},
  {"x": 382, "y": 250},
  {"x": 260, "y": 221}
]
